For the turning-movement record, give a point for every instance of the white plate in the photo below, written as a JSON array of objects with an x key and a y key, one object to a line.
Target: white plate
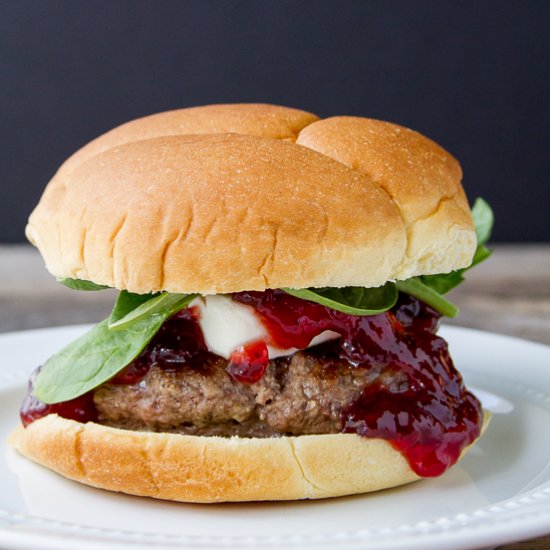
[{"x": 499, "y": 493}]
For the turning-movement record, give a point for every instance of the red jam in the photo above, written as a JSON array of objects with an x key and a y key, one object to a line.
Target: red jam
[
  {"x": 430, "y": 418},
  {"x": 81, "y": 409},
  {"x": 248, "y": 363},
  {"x": 179, "y": 341}
]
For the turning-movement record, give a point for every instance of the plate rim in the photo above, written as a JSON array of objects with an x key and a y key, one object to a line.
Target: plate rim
[{"x": 531, "y": 509}]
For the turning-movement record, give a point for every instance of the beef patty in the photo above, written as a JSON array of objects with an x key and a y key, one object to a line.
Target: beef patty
[{"x": 301, "y": 394}]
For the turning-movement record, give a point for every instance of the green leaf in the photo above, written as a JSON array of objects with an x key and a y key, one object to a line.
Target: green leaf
[
  {"x": 131, "y": 308},
  {"x": 125, "y": 303},
  {"x": 484, "y": 218},
  {"x": 352, "y": 300},
  {"x": 98, "y": 355},
  {"x": 80, "y": 284},
  {"x": 444, "y": 282},
  {"x": 481, "y": 254},
  {"x": 91, "y": 360},
  {"x": 415, "y": 287}
]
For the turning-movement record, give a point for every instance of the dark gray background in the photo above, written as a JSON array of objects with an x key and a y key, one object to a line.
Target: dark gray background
[{"x": 472, "y": 75}]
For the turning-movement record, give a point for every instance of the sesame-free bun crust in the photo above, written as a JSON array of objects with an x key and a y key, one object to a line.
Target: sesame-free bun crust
[
  {"x": 212, "y": 469},
  {"x": 226, "y": 198}
]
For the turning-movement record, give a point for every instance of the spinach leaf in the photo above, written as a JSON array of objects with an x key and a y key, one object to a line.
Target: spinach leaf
[
  {"x": 98, "y": 355},
  {"x": 483, "y": 220},
  {"x": 80, "y": 284},
  {"x": 131, "y": 308},
  {"x": 125, "y": 303},
  {"x": 417, "y": 288},
  {"x": 442, "y": 283},
  {"x": 481, "y": 254},
  {"x": 352, "y": 299}
]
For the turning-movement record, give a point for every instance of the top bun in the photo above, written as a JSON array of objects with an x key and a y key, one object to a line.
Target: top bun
[{"x": 225, "y": 198}]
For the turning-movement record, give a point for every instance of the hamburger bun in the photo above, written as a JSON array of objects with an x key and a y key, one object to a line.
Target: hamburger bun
[
  {"x": 213, "y": 469},
  {"x": 228, "y": 198}
]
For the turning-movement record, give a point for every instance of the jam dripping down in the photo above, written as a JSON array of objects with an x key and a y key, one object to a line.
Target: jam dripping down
[{"x": 429, "y": 417}]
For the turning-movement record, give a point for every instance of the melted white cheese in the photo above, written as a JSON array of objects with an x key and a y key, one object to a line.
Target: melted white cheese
[{"x": 226, "y": 325}]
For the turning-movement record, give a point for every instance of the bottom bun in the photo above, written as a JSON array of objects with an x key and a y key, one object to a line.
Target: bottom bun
[{"x": 212, "y": 469}]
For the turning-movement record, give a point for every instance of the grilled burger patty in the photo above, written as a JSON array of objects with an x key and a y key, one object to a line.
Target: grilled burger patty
[{"x": 300, "y": 394}]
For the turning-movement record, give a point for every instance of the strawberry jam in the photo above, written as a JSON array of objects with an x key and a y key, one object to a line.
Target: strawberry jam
[
  {"x": 429, "y": 417},
  {"x": 248, "y": 363},
  {"x": 81, "y": 409},
  {"x": 179, "y": 341}
]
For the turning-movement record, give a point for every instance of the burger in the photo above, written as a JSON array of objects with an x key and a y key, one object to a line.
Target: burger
[{"x": 281, "y": 279}]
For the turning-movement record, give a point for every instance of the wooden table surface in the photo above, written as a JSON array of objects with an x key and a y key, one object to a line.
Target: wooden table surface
[{"x": 510, "y": 294}]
